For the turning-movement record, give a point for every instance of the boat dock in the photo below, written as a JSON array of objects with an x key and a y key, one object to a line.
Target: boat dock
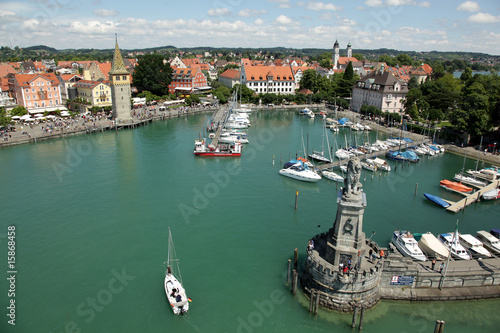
[
  {"x": 365, "y": 156},
  {"x": 218, "y": 120},
  {"x": 473, "y": 197}
]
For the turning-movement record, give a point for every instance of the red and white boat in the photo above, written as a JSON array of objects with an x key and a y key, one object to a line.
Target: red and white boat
[
  {"x": 222, "y": 150},
  {"x": 455, "y": 187}
]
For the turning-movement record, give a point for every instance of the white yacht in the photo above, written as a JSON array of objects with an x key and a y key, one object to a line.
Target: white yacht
[
  {"x": 489, "y": 241},
  {"x": 407, "y": 245},
  {"x": 328, "y": 174},
  {"x": 474, "y": 246},
  {"x": 297, "y": 170},
  {"x": 452, "y": 243}
]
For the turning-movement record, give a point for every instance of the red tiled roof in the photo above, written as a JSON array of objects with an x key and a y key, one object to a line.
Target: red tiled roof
[
  {"x": 231, "y": 73},
  {"x": 105, "y": 68},
  {"x": 89, "y": 84},
  {"x": 67, "y": 77},
  {"x": 260, "y": 73},
  {"x": 6, "y": 69},
  {"x": 25, "y": 79},
  {"x": 346, "y": 60}
]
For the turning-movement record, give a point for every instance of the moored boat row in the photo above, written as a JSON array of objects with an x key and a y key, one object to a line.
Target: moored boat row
[{"x": 420, "y": 247}]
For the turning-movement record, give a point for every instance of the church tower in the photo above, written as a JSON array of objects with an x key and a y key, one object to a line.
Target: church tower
[
  {"x": 119, "y": 79},
  {"x": 336, "y": 54},
  {"x": 349, "y": 50}
]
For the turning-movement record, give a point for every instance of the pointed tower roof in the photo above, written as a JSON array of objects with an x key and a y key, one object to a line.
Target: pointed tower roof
[
  {"x": 336, "y": 43},
  {"x": 349, "y": 44},
  {"x": 118, "y": 66}
]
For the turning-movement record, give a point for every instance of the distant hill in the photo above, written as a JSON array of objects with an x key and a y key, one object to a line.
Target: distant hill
[{"x": 41, "y": 48}]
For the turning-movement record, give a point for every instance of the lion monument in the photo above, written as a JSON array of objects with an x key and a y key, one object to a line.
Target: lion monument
[{"x": 352, "y": 185}]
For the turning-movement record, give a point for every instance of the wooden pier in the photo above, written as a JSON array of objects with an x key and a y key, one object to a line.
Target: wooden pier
[
  {"x": 219, "y": 119},
  {"x": 471, "y": 198},
  {"x": 365, "y": 156}
]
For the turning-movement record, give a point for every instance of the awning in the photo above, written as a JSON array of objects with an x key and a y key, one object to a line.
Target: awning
[
  {"x": 47, "y": 109},
  {"x": 183, "y": 88},
  {"x": 203, "y": 88}
]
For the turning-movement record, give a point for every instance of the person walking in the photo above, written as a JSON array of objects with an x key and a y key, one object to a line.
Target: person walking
[
  {"x": 433, "y": 263},
  {"x": 441, "y": 266}
]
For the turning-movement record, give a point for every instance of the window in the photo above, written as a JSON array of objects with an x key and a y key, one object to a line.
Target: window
[
  {"x": 55, "y": 94},
  {"x": 42, "y": 83},
  {"x": 29, "y": 103},
  {"x": 50, "y": 95},
  {"x": 32, "y": 89},
  {"x": 117, "y": 78},
  {"x": 124, "y": 77},
  {"x": 27, "y": 90},
  {"x": 32, "y": 83},
  {"x": 27, "y": 96}
]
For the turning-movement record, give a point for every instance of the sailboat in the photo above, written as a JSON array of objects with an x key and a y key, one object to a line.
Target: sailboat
[
  {"x": 176, "y": 293},
  {"x": 319, "y": 155}
]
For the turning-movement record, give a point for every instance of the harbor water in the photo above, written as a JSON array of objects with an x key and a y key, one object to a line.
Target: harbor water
[{"x": 91, "y": 216}]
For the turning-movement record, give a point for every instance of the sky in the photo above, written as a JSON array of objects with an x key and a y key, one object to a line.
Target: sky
[{"x": 406, "y": 25}]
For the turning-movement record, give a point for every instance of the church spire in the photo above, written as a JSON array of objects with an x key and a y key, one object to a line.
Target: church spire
[{"x": 118, "y": 66}]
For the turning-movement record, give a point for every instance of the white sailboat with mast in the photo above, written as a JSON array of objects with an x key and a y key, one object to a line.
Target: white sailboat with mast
[{"x": 176, "y": 293}]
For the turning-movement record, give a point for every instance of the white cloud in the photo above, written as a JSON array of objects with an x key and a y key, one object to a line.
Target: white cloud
[
  {"x": 218, "y": 12},
  {"x": 469, "y": 6},
  {"x": 92, "y": 27},
  {"x": 391, "y": 3},
  {"x": 348, "y": 22},
  {"x": 319, "y": 6},
  {"x": 483, "y": 18},
  {"x": 259, "y": 22},
  {"x": 283, "y": 19},
  {"x": 282, "y": 3},
  {"x": 374, "y": 3},
  {"x": 4, "y": 13},
  {"x": 105, "y": 12},
  {"x": 251, "y": 12}
]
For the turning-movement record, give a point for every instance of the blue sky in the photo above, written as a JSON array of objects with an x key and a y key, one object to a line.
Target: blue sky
[{"x": 409, "y": 25}]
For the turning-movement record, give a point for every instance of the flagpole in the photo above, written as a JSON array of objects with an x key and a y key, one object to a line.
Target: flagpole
[{"x": 455, "y": 235}]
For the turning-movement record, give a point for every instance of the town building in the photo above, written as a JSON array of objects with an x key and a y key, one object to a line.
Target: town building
[
  {"x": 38, "y": 93},
  {"x": 188, "y": 81},
  {"x": 67, "y": 86},
  {"x": 230, "y": 77},
  {"x": 269, "y": 79},
  {"x": 381, "y": 89},
  {"x": 92, "y": 93}
]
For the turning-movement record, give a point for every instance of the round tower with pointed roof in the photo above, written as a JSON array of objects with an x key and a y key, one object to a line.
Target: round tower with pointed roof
[
  {"x": 349, "y": 50},
  {"x": 119, "y": 79}
]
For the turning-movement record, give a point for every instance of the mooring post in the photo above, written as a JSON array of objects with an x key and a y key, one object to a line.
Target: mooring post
[
  {"x": 288, "y": 271},
  {"x": 361, "y": 316},
  {"x": 294, "y": 284},
  {"x": 441, "y": 327},
  {"x": 354, "y": 315},
  {"x": 295, "y": 258},
  {"x": 311, "y": 301},
  {"x": 316, "y": 306},
  {"x": 416, "y": 189},
  {"x": 296, "y": 198},
  {"x": 438, "y": 324}
]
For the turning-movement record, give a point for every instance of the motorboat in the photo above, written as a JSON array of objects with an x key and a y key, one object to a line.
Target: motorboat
[
  {"x": 491, "y": 194},
  {"x": 433, "y": 247},
  {"x": 298, "y": 170},
  {"x": 368, "y": 166},
  {"x": 407, "y": 245},
  {"x": 343, "y": 168},
  {"x": 334, "y": 128},
  {"x": 455, "y": 187},
  {"x": 474, "y": 246},
  {"x": 223, "y": 150},
  {"x": 380, "y": 163},
  {"x": 452, "y": 243},
  {"x": 332, "y": 176},
  {"x": 489, "y": 241},
  {"x": 174, "y": 289},
  {"x": 402, "y": 156},
  {"x": 469, "y": 180},
  {"x": 437, "y": 200},
  {"x": 305, "y": 111}
]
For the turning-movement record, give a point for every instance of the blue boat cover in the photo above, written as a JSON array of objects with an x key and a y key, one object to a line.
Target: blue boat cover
[
  {"x": 343, "y": 121},
  {"x": 437, "y": 200}
]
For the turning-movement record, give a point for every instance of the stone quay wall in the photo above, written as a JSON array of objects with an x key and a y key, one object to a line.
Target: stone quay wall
[{"x": 474, "y": 279}]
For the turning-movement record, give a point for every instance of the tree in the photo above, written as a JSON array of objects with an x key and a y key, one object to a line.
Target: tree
[
  {"x": 325, "y": 63},
  {"x": 4, "y": 120},
  {"x": 404, "y": 59},
  {"x": 192, "y": 99},
  {"x": 358, "y": 56},
  {"x": 349, "y": 72},
  {"x": 152, "y": 74},
  {"x": 309, "y": 78},
  {"x": 18, "y": 111},
  {"x": 222, "y": 93}
]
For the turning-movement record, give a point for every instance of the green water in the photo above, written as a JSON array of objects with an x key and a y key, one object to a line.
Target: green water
[{"x": 92, "y": 212}]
